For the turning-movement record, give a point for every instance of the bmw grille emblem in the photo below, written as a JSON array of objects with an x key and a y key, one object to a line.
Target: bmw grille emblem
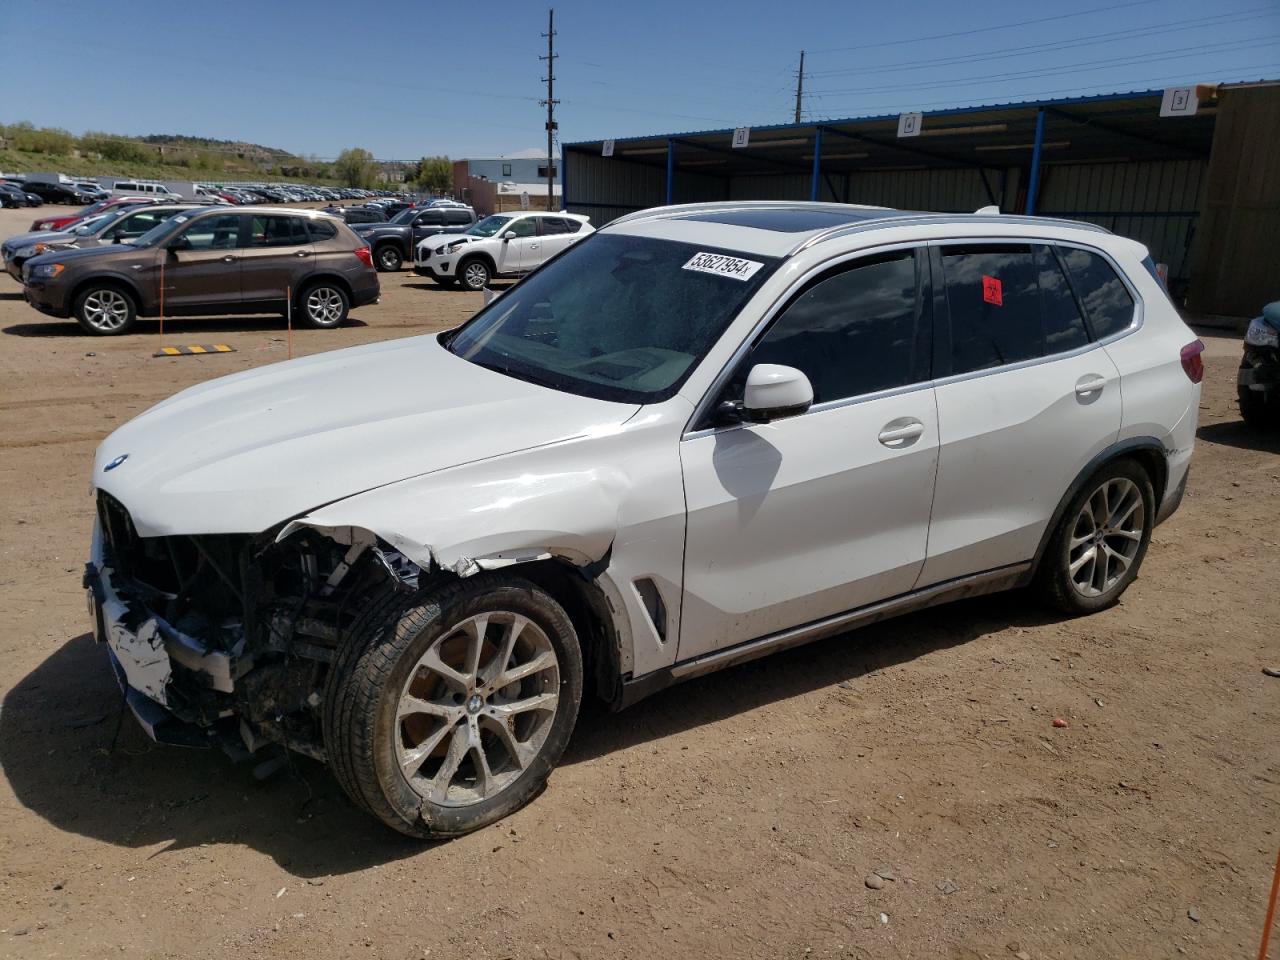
[{"x": 115, "y": 463}]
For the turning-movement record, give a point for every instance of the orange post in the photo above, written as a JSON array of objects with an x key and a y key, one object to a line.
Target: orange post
[
  {"x": 288, "y": 317},
  {"x": 1271, "y": 912},
  {"x": 161, "y": 299}
]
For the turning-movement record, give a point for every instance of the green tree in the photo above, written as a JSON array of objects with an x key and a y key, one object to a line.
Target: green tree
[
  {"x": 355, "y": 167},
  {"x": 434, "y": 175}
]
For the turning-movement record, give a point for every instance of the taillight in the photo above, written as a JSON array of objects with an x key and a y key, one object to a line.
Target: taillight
[
  {"x": 1192, "y": 364},
  {"x": 366, "y": 257}
]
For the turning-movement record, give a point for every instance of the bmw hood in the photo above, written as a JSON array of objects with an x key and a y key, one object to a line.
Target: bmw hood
[
  {"x": 243, "y": 453},
  {"x": 23, "y": 240}
]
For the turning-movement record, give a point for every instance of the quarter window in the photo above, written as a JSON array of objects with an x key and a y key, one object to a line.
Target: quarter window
[
  {"x": 853, "y": 332},
  {"x": 321, "y": 230},
  {"x": 1106, "y": 299},
  {"x": 1007, "y": 302}
]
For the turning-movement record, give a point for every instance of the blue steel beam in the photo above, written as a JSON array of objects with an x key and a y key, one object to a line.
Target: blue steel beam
[
  {"x": 1034, "y": 186},
  {"x": 671, "y": 171},
  {"x": 817, "y": 164}
]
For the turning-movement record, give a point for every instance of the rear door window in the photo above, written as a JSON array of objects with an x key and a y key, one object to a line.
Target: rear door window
[
  {"x": 277, "y": 231},
  {"x": 455, "y": 217},
  {"x": 429, "y": 218},
  {"x": 1106, "y": 299},
  {"x": 1007, "y": 303}
]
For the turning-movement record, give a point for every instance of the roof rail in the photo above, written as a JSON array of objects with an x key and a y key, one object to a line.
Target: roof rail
[
  {"x": 924, "y": 219},
  {"x": 717, "y": 206}
]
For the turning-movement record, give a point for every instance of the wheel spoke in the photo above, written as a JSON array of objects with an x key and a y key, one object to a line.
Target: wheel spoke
[
  {"x": 413, "y": 758},
  {"x": 459, "y": 746},
  {"x": 1134, "y": 535},
  {"x": 541, "y": 701},
  {"x": 477, "y": 627},
  {"x": 502, "y": 658},
  {"x": 1121, "y": 560},
  {"x": 520, "y": 753},
  {"x": 410, "y": 705},
  {"x": 1081, "y": 560},
  {"x": 431, "y": 660},
  {"x": 544, "y": 661},
  {"x": 480, "y": 760}
]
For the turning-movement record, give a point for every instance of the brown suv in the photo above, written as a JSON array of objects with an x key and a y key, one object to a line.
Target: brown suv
[{"x": 218, "y": 260}]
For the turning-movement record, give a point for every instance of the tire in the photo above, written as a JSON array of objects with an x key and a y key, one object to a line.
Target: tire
[
  {"x": 1256, "y": 411},
  {"x": 105, "y": 310},
  {"x": 388, "y": 258},
  {"x": 474, "y": 273},
  {"x": 323, "y": 305},
  {"x": 1114, "y": 512},
  {"x": 410, "y": 652}
]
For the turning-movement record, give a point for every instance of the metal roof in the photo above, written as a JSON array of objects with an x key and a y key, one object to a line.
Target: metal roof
[{"x": 1112, "y": 127}]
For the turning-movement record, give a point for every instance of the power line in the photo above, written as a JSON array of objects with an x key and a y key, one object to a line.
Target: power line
[
  {"x": 1052, "y": 45},
  {"x": 1084, "y": 65},
  {"x": 998, "y": 26}
]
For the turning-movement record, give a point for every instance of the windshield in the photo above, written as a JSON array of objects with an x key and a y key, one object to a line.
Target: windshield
[
  {"x": 92, "y": 224},
  {"x": 614, "y": 317},
  {"x": 488, "y": 226}
]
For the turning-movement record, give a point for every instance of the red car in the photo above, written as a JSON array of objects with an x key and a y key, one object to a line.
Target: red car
[{"x": 62, "y": 221}]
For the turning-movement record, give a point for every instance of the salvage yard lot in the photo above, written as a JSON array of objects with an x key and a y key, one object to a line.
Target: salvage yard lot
[{"x": 739, "y": 815}]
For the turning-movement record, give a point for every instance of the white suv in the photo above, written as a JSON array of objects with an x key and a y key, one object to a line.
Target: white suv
[
  {"x": 501, "y": 245},
  {"x": 704, "y": 434}
]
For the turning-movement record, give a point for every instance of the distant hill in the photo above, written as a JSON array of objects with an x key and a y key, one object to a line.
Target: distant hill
[{"x": 253, "y": 152}]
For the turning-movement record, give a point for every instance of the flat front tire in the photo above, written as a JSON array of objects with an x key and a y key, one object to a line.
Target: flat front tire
[
  {"x": 1100, "y": 540},
  {"x": 105, "y": 310},
  {"x": 447, "y": 709}
]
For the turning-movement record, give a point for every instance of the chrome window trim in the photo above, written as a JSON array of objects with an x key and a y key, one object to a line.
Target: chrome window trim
[{"x": 708, "y": 398}]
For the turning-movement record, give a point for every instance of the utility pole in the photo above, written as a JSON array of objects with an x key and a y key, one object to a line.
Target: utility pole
[
  {"x": 800, "y": 86},
  {"x": 550, "y": 104}
]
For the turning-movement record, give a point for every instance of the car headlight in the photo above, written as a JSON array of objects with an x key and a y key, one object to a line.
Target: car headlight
[
  {"x": 47, "y": 271},
  {"x": 1261, "y": 334},
  {"x": 38, "y": 249}
]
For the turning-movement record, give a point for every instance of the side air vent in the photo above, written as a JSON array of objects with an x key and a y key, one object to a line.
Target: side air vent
[{"x": 647, "y": 590}]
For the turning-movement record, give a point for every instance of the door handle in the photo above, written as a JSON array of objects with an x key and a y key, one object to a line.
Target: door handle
[
  {"x": 301, "y": 253},
  {"x": 901, "y": 433},
  {"x": 228, "y": 259},
  {"x": 1090, "y": 385}
]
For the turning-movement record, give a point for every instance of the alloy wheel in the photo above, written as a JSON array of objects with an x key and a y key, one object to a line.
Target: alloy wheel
[
  {"x": 476, "y": 276},
  {"x": 1106, "y": 537},
  {"x": 106, "y": 310},
  {"x": 324, "y": 305},
  {"x": 477, "y": 708}
]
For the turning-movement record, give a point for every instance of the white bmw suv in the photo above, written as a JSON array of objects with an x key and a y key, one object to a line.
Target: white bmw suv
[
  {"x": 703, "y": 434},
  {"x": 501, "y": 245}
]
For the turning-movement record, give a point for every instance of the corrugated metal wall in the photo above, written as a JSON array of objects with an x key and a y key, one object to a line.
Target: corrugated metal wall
[{"x": 1153, "y": 202}]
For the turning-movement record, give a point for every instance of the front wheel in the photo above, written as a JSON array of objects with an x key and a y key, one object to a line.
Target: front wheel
[
  {"x": 474, "y": 274},
  {"x": 324, "y": 305},
  {"x": 105, "y": 311},
  {"x": 1100, "y": 541},
  {"x": 388, "y": 258},
  {"x": 447, "y": 710}
]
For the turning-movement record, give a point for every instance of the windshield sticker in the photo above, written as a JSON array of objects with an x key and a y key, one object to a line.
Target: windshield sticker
[{"x": 723, "y": 266}]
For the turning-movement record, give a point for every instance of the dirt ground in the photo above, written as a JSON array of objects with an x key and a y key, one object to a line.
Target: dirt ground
[{"x": 736, "y": 816}]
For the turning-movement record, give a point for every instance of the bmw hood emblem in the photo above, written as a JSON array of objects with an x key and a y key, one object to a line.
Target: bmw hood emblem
[{"x": 115, "y": 463}]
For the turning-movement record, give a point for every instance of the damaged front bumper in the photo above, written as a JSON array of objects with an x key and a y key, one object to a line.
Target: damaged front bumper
[{"x": 145, "y": 651}]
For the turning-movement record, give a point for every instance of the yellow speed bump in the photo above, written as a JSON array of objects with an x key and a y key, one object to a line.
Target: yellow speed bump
[{"x": 193, "y": 349}]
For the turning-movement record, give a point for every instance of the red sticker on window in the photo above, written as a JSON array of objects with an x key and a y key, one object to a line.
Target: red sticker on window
[{"x": 992, "y": 291}]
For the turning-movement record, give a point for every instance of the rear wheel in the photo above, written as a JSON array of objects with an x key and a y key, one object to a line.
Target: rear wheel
[
  {"x": 1100, "y": 541},
  {"x": 105, "y": 310},
  {"x": 324, "y": 305},
  {"x": 474, "y": 274},
  {"x": 447, "y": 710},
  {"x": 388, "y": 258},
  {"x": 1256, "y": 411}
]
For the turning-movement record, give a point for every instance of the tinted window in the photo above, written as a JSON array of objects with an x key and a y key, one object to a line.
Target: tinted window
[
  {"x": 137, "y": 224},
  {"x": 457, "y": 217},
  {"x": 994, "y": 301},
  {"x": 212, "y": 233},
  {"x": 524, "y": 227},
  {"x": 321, "y": 230},
  {"x": 1105, "y": 297},
  {"x": 854, "y": 332},
  {"x": 267, "y": 231},
  {"x": 431, "y": 218},
  {"x": 553, "y": 225},
  {"x": 1064, "y": 327}
]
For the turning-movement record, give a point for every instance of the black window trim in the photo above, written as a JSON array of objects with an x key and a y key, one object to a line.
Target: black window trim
[
  {"x": 701, "y": 423},
  {"x": 942, "y": 316}
]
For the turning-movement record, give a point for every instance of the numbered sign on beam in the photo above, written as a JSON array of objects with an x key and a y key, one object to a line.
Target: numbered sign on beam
[
  {"x": 741, "y": 137},
  {"x": 607, "y": 149},
  {"x": 909, "y": 124},
  {"x": 1179, "y": 102}
]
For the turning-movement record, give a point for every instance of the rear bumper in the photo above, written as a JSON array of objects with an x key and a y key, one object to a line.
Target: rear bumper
[
  {"x": 371, "y": 293},
  {"x": 1260, "y": 371}
]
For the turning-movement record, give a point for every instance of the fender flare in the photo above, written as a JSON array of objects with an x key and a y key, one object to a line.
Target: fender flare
[{"x": 1150, "y": 453}]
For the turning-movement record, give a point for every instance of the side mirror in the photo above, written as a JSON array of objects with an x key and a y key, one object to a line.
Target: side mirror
[
  {"x": 774, "y": 391},
  {"x": 509, "y": 235},
  {"x": 182, "y": 243}
]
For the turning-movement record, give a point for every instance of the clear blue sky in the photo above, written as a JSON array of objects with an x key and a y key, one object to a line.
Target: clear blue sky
[{"x": 411, "y": 78}]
